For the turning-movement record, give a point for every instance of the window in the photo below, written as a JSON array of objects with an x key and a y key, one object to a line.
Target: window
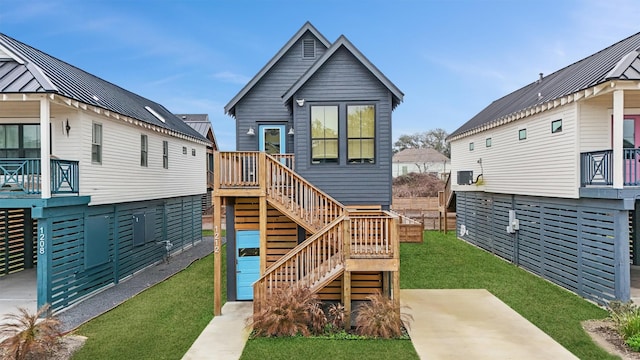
[
  {"x": 184, "y": 150},
  {"x": 522, "y": 134},
  {"x": 308, "y": 49},
  {"x": 361, "y": 130},
  {"x": 20, "y": 141},
  {"x": 193, "y": 152},
  {"x": 487, "y": 142},
  {"x": 324, "y": 134},
  {"x": 470, "y": 146},
  {"x": 144, "y": 149},
  {"x": 556, "y": 126},
  {"x": 96, "y": 144},
  {"x": 165, "y": 154}
]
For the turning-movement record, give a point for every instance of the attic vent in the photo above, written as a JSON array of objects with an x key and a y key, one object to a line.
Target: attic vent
[
  {"x": 308, "y": 48},
  {"x": 154, "y": 113}
]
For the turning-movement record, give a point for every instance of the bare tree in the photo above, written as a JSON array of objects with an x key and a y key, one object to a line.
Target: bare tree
[{"x": 435, "y": 139}]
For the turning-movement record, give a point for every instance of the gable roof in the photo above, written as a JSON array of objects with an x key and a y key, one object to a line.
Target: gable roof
[
  {"x": 201, "y": 124},
  {"x": 620, "y": 61},
  {"x": 307, "y": 27},
  {"x": 421, "y": 155},
  {"x": 344, "y": 42},
  {"x": 24, "y": 69}
]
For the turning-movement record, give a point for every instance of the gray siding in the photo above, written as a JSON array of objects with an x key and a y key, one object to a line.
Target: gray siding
[
  {"x": 344, "y": 80},
  {"x": 263, "y": 104},
  {"x": 581, "y": 245}
]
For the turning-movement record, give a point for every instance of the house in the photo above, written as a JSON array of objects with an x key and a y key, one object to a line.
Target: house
[
  {"x": 423, "y": 160},
  {"x": 201, "y": 123},
  {"x": 313, "y": 139},
  {"x": 547, "y": 176},
  {"x": 96, "y": 182}
]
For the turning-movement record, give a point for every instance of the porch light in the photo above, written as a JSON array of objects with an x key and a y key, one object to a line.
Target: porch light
[
  {"x": 291, "y": 131},
  {"x": 251, "y": 132},
  {"x": 300, "y": 102}
]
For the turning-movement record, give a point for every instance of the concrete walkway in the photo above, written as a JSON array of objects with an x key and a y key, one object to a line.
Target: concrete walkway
[
  {"x": 474, "y": 324},
  {"x": 225, "y": 336},
  {"x": 448, "y": 324}
]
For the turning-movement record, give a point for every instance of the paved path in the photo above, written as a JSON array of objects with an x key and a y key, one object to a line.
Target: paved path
[
  {"x": 448, "y": 324},
  {"x": 225, "y": 336},
  {"x": 474, "y": 324}
]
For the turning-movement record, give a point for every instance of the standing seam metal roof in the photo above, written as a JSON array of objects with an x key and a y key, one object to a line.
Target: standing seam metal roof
[
  {"x": 74, "y": 83},
  {"x": 607, "y": 64}
]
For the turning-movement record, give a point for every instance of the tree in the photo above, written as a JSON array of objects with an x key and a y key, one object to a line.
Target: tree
[{"x": 434, "y": 139}]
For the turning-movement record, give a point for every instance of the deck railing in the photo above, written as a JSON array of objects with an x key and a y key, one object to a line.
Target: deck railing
[
  {"x": 596, "y": 168},
  {"x": 299, "y": 197},
  {"x": 308, "y": 265},
  {"x": 24, "y": 176},
  {"x": 371, "y": 236},
  {"x": 238, "y": 169}
]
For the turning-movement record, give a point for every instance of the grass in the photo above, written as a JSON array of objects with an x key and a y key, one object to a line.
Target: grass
[
  {"x": 309, "y": 348},
  {"x": 160, "y": 323},
  {"x": 444, "y": 262},
  {"x": 207, "y": 232}
]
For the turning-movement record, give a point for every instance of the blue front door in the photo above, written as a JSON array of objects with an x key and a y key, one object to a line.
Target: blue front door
[{"x": 247, "y": 262}]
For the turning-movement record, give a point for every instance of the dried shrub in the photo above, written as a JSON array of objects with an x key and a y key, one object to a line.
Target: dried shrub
[
  {"x": 379, "y": 318},
  {"x": 417, "y": 185},
  {"x": 337, "y": 316},
  {"x": 289, "y": 312},
  {"x": 30, "y": 336}
]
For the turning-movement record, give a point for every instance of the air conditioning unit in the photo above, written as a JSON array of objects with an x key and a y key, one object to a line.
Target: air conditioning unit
[{"x": 465, "y": 177}]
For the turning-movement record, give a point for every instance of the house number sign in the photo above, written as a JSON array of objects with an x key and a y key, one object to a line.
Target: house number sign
[
  {"x": 216, "y": 240},
  {"x": 41, "y": 240}
]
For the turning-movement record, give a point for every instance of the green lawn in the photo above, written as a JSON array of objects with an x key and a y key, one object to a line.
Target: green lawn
[
  {"x": 160, "y": 323},
  {"x": 443, "y": 262}
]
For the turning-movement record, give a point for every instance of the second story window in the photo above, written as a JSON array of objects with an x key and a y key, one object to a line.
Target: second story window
[
  {"x": 324, "y": 134},
  {"x": 165, "y": 154},
  {"x": 144, "y": 150},
  {"x": 361, "y": 131},
  {"x": 96, "y": 144}
]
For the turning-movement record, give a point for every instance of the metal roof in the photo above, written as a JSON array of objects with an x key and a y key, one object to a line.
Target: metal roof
[
  {"x": 200, "y": 123},
  {"x": 230, "y": 107},
  {"x": 418, "y": 156},
  {"x": 619, "y": 61},
  {"x": 56, "y": 76},
  {"x": 344, "y": 42}
]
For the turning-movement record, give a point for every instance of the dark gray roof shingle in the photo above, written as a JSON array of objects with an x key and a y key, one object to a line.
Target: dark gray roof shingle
[
  {"x": 618, "y": 61},
  {"x": 56, "y": 76}
]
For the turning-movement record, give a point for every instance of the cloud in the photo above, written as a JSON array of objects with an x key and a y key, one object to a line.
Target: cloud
[{"x": 230, "y": 77}]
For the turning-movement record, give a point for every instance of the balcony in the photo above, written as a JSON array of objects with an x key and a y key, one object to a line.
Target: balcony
[{"x": 20, "y": 177}]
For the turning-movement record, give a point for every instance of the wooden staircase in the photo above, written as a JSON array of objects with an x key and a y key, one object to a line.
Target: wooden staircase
[{"x": 341, "y": 241}]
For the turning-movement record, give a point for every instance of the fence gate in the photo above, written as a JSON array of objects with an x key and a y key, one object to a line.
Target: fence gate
[{"x": 17, "y": 240}]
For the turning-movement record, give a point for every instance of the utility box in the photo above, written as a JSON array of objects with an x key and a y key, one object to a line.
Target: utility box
[{"x": 465, "y": 177}]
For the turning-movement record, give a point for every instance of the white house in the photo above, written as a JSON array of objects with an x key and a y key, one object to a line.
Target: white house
[
  {"x": 94, "y": 180},
  {"x": 548, "y": 176},
  {"x": 425, "y": 160}
]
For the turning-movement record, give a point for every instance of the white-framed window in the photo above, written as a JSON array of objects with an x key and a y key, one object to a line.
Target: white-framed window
[
  {"x": 144, "y": 150},
  {"x": 165, "y": 154},
  {"x": 471, "y": 146},
  {"x": 487, "y": 142},
  {"x": 193, "y": 152},
  {"x": 184, "y": 150},
  {"x": 96, "y": 144}
]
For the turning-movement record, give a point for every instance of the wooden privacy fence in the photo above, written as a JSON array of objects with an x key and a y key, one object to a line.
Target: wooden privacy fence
[{"x": 424, "y": 210}]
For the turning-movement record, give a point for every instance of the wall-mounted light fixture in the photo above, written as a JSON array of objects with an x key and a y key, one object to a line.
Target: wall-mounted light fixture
[
  {"x": 251, "y": 132},
  {"x": 66, "y": 127},
  {"x": 300, "y": 102},
  {"x": 291, "y": 131}
]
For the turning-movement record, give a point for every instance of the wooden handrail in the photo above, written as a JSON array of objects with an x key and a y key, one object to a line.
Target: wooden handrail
[
  {"x": 308, "y": 264},
  {"x": 371, "y": 236},
  {"x": 300, "y": 198}
]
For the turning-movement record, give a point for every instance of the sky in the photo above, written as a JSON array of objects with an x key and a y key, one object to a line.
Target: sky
[{"x": 451, "y": 58}]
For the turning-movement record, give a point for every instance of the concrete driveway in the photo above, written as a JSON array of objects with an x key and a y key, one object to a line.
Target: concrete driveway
[{"x": 18, "y": 290}]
